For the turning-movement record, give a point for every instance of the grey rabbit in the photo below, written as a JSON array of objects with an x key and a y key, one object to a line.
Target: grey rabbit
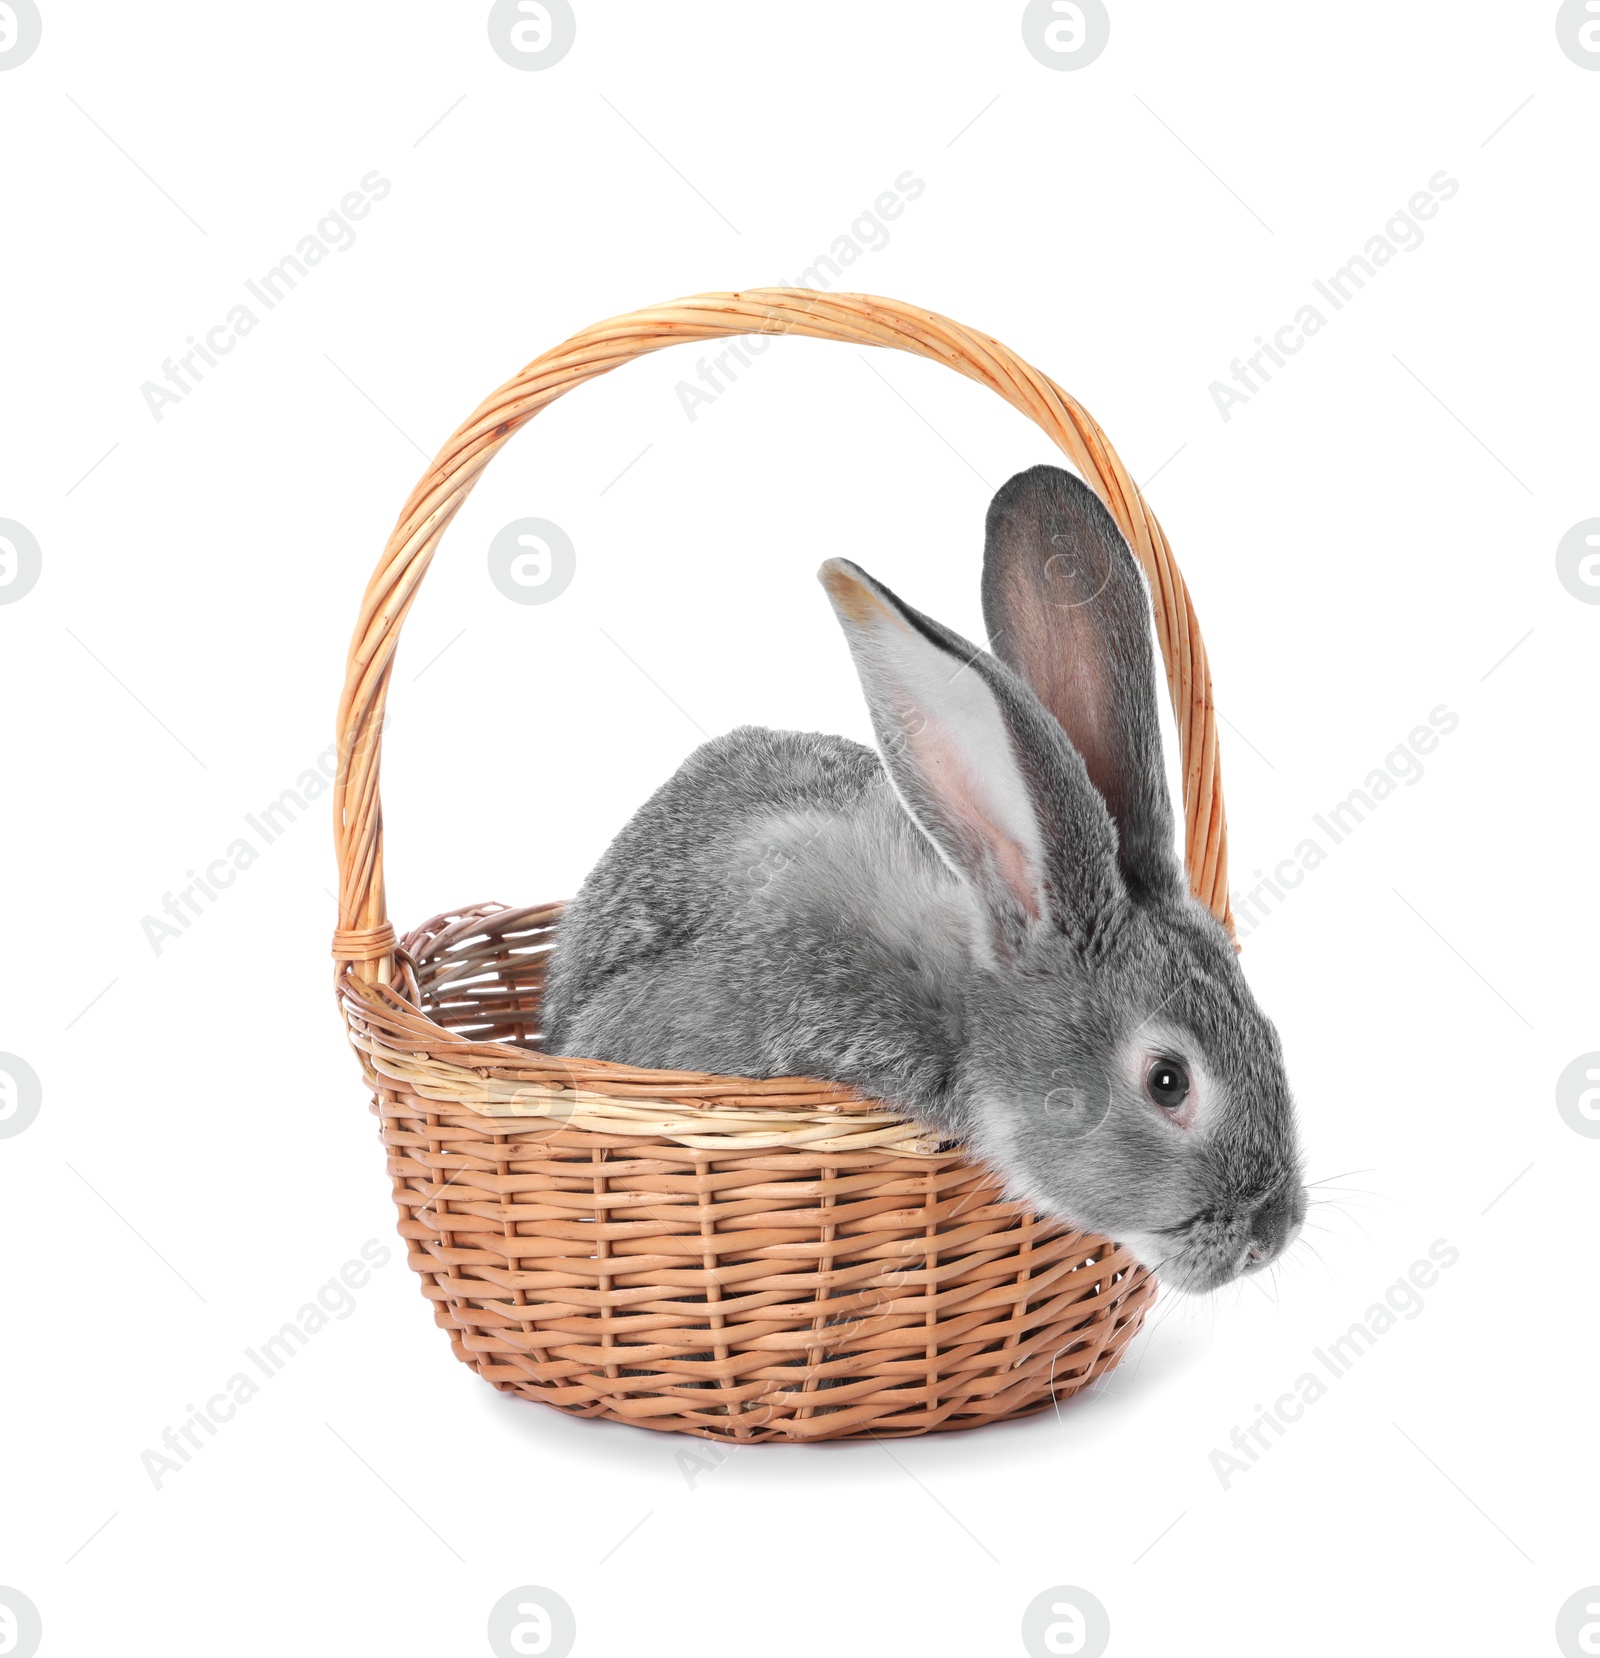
[{"x": 984, "y": 923}]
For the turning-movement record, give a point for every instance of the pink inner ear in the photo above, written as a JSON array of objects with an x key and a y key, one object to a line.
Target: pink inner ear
[
  {"x": 1056, "y": 641},
  {"x": 966, "y": 799},
  {"x": 1014, "y": 872},
  {"x": 1074, "y": 690}
]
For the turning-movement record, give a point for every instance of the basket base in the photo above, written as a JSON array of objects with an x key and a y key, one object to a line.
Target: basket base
[
  {"x": 929, "y": 1305},
  {"x": 767, "y": 1424}
]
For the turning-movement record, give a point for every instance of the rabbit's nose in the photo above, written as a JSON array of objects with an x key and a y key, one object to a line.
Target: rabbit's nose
[{"x": 1275, "y": 1225}]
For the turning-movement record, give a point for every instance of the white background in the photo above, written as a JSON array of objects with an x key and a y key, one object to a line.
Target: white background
[{"x": 1365, "y": 540}]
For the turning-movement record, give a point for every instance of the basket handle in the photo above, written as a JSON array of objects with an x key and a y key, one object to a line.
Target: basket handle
[{"x": 364, "y": 937}]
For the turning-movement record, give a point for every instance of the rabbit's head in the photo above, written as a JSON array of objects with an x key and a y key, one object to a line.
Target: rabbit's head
[{"x": 1115, "y": 1069}]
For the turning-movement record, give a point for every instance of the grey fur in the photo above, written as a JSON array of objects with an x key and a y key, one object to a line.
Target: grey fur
[{"x": 795, "y": 904}]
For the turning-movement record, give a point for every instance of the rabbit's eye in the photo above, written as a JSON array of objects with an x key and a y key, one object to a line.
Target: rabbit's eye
[{"x": 1167, "y": 1083}]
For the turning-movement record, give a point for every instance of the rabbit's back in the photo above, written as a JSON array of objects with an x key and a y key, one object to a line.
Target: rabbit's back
[{"x": 769, "y": 911}]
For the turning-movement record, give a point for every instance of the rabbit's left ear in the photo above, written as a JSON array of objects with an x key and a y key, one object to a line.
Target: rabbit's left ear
[
  {"x": 1066, "y": 610},
  {"x": 979, "y": 766}
]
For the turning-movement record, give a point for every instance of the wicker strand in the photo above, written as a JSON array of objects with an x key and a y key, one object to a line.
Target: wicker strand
[{"x": 364, "y": 943}]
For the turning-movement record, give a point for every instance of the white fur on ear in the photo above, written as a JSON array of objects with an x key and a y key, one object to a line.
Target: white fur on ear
[{"x": 944, "y": 742}]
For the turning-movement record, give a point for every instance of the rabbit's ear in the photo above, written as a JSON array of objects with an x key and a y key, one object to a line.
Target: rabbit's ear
[
  {"x": 978, "y": 764},
  {"x": 1066, "y": 608}
]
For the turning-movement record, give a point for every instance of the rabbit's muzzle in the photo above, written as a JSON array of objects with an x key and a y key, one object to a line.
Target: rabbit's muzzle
[{"x": 1274, "y": 1227}]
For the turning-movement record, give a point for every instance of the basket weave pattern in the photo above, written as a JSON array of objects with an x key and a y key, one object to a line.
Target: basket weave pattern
[{"x": 739, "y": 1259}]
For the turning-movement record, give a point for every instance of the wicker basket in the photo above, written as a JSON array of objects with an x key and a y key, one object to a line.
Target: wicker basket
[{"x": 743, "y": 1260}]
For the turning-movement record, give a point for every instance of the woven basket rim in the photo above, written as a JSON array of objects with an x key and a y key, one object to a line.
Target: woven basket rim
[
  {"x": 375, "y": 968},
  {"x": 481, "y": 1081},
  {"x": 794, "y": 1093}
]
